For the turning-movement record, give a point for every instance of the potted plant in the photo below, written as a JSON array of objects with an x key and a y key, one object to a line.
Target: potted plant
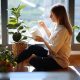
[
  {"x": 78, "y": 35},
  {"x": 7, "y": 61},
  {"x": 18, "y": 29}
]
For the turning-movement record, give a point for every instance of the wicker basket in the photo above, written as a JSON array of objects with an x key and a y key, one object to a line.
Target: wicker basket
[{"x": 18, "y": 47}]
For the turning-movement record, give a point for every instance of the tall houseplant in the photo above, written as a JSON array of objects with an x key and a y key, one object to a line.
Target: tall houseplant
[
  {"x": 18, "y": 25},
  {"x": 18, "y": 29}
]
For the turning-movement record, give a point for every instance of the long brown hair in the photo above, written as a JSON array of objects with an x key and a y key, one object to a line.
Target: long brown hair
[{"x": 61, "y": 14}]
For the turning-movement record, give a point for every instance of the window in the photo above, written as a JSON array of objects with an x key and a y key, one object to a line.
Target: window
[
  {"x": 77, "y": 19},
  {"x": 35, "y": 10},
  {"x": 0, "y": 25},
  {"x": 74, "y": 12}
]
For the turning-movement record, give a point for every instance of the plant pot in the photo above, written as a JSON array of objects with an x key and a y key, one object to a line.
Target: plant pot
[
  {"x": 5, "y": 66},
  {"x": 18, "y": 47}
]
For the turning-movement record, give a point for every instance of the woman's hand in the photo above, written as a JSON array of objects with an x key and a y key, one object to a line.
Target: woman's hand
[
  {"x": 39, "y": 38},
  {"x": 42, "y": 24}
]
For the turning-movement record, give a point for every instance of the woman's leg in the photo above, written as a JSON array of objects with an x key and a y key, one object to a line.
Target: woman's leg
[
  {"x": 37, "y": 62},
  {"x": 45, "y": 63},
  {"x": 33, "y": 49}
]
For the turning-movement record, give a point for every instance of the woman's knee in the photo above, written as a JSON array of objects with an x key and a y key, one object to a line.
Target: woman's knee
[
  {"x": 38, "y": 50},
  {"x": 35, "y": 47},
  {"x": 32, "y": 47}
]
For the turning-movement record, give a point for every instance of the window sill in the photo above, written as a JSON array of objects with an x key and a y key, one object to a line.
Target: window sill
[{"x": 75, "y": 52}]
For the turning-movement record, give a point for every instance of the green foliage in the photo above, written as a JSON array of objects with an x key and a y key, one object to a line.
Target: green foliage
[
  {"x": 15, "y": 23},
  {"x": 78, "y": 36},
  {"x": 76, "y": 27},
  {"x": 16, "y": 36},
  {"x": 7, "y": 56}
]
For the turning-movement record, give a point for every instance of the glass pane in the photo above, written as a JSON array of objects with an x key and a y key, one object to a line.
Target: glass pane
[
  {"x": 35, "y": 10},
  {"x": 0, "y": 25},
  {"x": 77, "y": 19}
]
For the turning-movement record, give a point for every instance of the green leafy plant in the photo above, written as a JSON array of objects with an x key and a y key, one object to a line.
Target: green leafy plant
[
  {"x": 18, "y": 25},
  {"x": 7, "y": 59},
  {"x": 78, "y": 35}
]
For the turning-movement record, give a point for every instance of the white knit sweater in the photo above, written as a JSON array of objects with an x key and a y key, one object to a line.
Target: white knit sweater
[{"x": 60, "y": 43}]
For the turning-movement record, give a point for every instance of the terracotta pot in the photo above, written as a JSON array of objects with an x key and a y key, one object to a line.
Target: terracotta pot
[
  {"x": 18, "y": 47},
  {"x": 5, "y": 67}
]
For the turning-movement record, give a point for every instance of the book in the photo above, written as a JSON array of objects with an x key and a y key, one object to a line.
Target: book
[
  {"x": 39, "y": 31},
  {"x": 36, "y": 32}
]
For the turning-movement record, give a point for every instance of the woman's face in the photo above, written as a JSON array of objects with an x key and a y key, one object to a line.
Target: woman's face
[{"x": 53, "y": 17}]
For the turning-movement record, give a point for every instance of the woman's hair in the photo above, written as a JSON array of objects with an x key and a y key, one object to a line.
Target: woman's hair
[{"x": 61, "y": 14}]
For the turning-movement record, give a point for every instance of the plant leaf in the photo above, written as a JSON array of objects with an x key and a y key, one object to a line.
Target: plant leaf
[
  {"x": 11, "y": 32},
  {"x": 13, "y": 26},
  {"x": 24, "y": 38},
  {"x": 20, "y": 7},
  {"x": 76, "y": 27},
  {"x": 20, "y": 28},
  {"x": 12, "y": 19},
  {"x": 23, "y": 31}
]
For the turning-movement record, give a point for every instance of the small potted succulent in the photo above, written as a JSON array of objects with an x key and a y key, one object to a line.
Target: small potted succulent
[
  {"x": 78, "y": 35},
  {"x": 18, "y": 29},
  {"x": 7, "y": 60}
]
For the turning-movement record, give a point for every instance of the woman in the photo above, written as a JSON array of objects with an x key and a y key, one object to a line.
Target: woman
[{"x": 59, "y": 44}]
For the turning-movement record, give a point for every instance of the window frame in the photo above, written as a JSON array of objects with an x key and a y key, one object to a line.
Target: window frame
[
  {"x": 4, "y": 18},
  {"x": 4, "y": 22},
  {"x": 75, "y": 47}
]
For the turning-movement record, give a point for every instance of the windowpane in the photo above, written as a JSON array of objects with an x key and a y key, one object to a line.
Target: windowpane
[
  {"x": 35, "y": 10},
  {"x": 0, "y": 25},
  {"x": 77, "y": 19}
]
